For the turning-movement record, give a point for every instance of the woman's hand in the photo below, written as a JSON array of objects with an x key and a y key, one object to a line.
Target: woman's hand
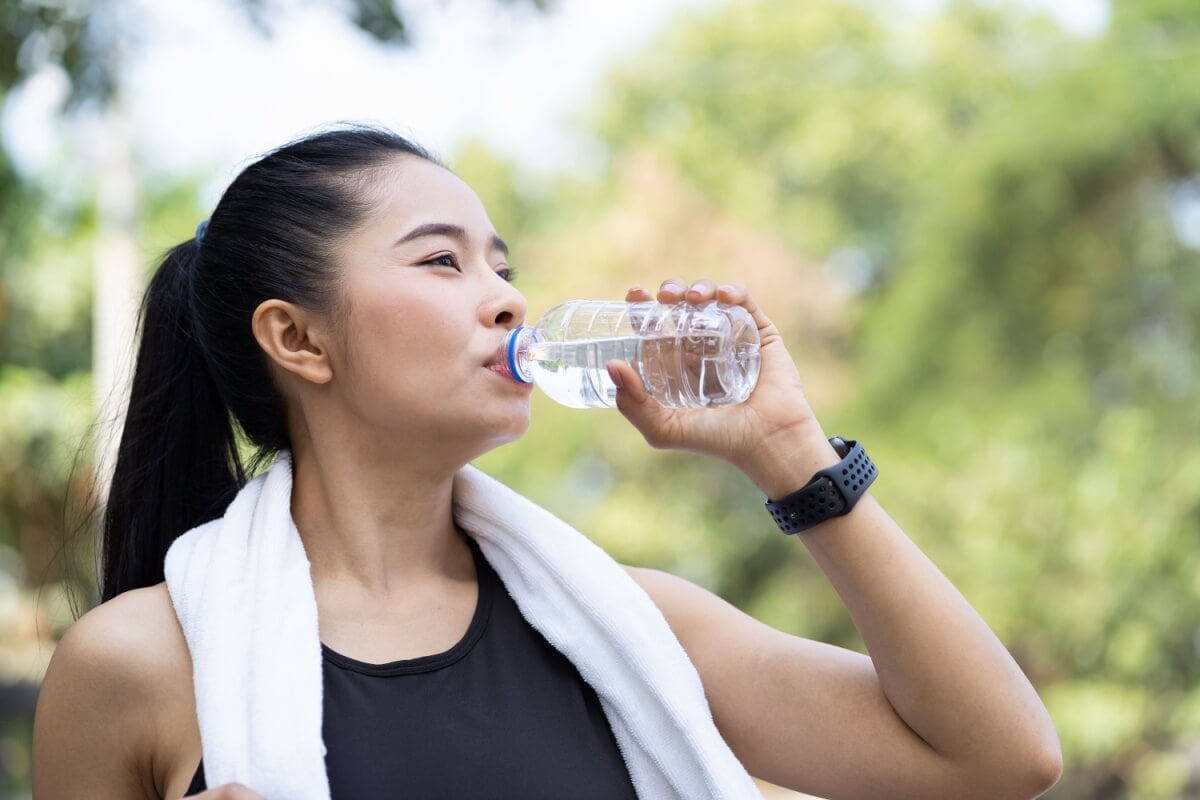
[{"x": 740, "y": 434}]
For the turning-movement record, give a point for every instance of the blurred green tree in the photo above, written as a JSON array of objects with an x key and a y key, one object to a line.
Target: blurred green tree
[
  {"x": 88, "y": 39},
  {"x": 1018, "y": 211},
  {"x": 85, "y": 37}
]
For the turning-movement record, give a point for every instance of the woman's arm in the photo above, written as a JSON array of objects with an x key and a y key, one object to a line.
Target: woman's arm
[{"x": 938, "y": 710}]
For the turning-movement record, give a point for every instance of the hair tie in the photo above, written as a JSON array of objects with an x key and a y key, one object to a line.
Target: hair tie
[{"x": 200, "y": 231}]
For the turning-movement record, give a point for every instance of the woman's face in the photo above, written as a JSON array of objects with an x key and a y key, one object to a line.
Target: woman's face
[{"x": 424, "y": 307}]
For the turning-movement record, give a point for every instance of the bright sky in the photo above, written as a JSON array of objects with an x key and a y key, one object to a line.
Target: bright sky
[{"x": 206, "y": 94}]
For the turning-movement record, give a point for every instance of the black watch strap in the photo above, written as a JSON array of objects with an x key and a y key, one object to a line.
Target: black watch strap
[{"x": 832, "y": 491}]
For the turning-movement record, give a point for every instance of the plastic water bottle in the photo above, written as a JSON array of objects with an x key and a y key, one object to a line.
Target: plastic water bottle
[{"x": 687, "y": 356}]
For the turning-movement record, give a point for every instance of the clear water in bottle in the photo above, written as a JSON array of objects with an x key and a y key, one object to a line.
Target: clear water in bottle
[{"x": 687, "y": 356}]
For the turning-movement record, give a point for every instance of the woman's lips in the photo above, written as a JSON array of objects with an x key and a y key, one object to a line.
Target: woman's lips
[
  {"x": 499, "y": 357},
  {"x": 499, "y": 362}
]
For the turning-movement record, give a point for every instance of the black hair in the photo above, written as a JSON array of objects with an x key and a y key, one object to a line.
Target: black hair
[{"x": 200, "y": 375}]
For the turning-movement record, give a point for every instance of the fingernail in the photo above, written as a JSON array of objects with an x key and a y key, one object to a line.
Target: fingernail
[
  {"x": 672, "y": 287},
  {"x": 616, "y": 377}
]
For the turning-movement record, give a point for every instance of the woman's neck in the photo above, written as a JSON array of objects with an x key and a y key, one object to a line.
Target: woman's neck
[{"x": 372, "y": 519}]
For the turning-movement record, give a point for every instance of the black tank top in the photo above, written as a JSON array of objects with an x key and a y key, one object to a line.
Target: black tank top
[{"x": 502, "y": 714}]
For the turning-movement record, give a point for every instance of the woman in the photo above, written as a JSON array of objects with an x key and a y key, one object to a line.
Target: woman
[{"x": 345, "y": 305}]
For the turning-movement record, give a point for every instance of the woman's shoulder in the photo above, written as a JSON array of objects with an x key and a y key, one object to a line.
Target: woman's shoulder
[
  {"x": 118, "y": 670},
  {"x": 134, "y": 638}
]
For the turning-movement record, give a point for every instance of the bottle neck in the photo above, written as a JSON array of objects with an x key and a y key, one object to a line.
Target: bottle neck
[{"x": 516, "y": 353}]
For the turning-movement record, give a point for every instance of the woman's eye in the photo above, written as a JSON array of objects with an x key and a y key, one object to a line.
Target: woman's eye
[
  {"x": 508, "y": 273},
  {"x": 444, "y": 260}
]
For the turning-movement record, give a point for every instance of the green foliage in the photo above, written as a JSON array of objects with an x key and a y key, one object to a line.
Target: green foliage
[
  {"x": 86, "y": 38},
  {"x": 45, "y": 384},
  {"x": 40, "y": 430},
  {"x": 1006, "y": 197},
  {"x": 47, "y": 294}
]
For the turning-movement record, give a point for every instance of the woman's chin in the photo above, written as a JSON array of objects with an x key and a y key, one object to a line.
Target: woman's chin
[
  {"x": 519, "y": 428},
  {"x": 506, "y": 432}
]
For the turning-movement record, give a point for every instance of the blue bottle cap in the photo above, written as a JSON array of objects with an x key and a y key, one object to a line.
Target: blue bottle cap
[{"x": 511, "y": 349}]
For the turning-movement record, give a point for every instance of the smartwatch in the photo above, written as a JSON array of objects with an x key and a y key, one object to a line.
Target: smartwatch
[{"x": 832, "y": 492}]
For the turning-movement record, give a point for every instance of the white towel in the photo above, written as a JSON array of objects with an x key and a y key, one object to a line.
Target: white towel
[{"x": 242, "y": 589}]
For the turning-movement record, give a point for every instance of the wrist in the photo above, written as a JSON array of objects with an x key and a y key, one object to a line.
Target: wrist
[
  {"x": 831, "y": 492},
  {"x": 785, "y": 461}
]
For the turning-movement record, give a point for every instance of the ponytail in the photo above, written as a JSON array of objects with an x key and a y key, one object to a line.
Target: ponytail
[{"x": 177, "y": 464}]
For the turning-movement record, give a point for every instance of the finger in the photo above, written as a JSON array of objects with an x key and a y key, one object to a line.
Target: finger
[
  {"x": 701, "y": 291},
  {"x": 672, "y": 290},
  {"x": 637, "y": 294},
  {"x": 732, "y": 293},
  {"x": 627, "y": 380},
  {"x": 736, "y": 294},
  {"x": 643, "y": 412}
]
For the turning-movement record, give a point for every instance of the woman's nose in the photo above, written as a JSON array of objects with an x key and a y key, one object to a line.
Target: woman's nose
[{"x": 507, "y": 309}]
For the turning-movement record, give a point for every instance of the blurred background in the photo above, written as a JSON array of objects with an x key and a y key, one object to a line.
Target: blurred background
[{"x": 977, "y": 224}]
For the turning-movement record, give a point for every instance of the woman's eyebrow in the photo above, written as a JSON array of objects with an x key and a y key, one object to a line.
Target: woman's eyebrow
[{"x": 452, "y": 231}]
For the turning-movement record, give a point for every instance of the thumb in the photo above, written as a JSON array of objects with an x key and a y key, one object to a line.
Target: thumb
[{"x": 635, "y": 404}]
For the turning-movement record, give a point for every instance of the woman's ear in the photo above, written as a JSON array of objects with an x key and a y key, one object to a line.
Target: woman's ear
[{"x": 294, "y": 338}]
